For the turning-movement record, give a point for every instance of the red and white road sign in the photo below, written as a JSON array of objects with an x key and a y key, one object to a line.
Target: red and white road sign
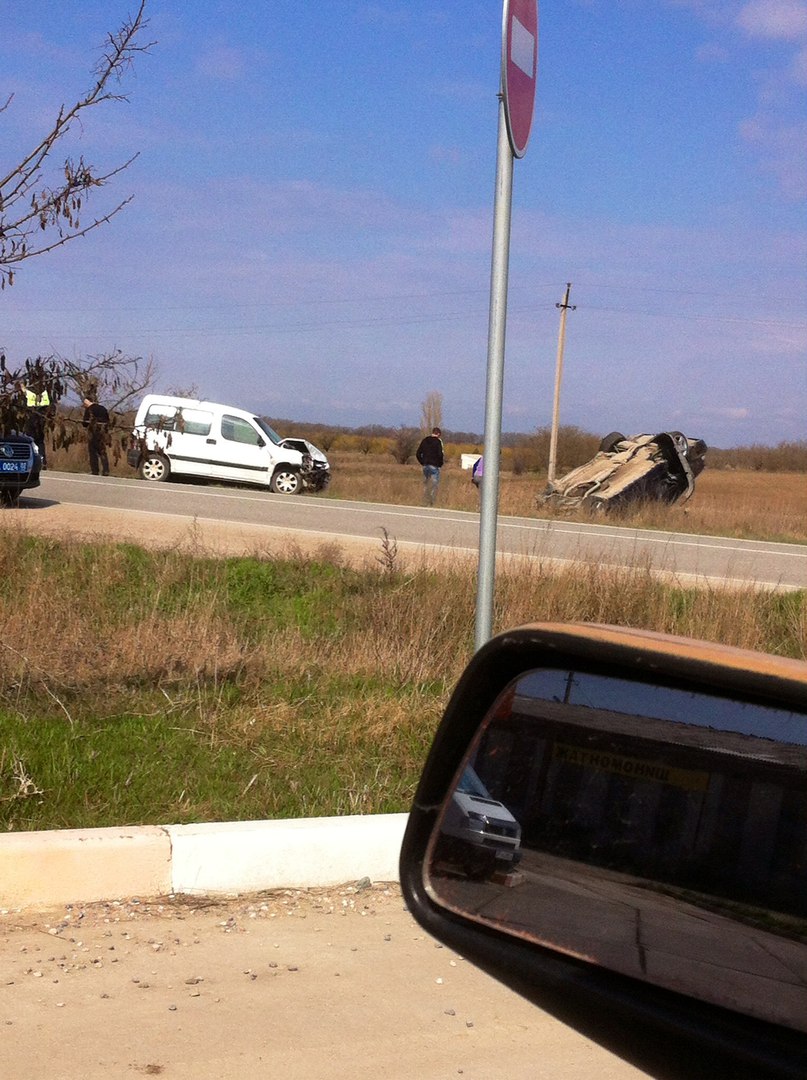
[{"x": 519, "y": 69}]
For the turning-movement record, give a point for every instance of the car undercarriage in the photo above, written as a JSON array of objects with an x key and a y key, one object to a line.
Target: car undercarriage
[{"x": 625, "y": 470}]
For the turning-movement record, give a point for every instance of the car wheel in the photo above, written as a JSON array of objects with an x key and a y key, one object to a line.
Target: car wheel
[
  {"x": 286, "y": 482},
  {"x": 478, "y": 867},
  {"x": 155, "y": 467},
  {"x": 610, "y": 440},
  {"x": 9, "y": 498},
  {"x": 680, "y": 441}
]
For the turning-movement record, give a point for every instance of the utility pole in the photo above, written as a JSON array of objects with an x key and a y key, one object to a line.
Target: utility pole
[{"x": 553, "y": 438}]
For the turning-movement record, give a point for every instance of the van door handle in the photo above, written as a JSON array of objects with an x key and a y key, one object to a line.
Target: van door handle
[{"x": 212, "y": 442}]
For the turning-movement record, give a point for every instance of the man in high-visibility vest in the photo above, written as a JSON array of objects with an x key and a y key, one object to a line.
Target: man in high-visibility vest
[{"x": 38, "y": 407}]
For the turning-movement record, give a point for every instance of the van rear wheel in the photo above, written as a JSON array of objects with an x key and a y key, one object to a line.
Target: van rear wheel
[
  {"x": 285, "y": 482},
  {"x": 155, "y": 467}
]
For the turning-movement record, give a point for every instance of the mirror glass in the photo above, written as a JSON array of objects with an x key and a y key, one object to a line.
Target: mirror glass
[{"x": 654, "y": 831}]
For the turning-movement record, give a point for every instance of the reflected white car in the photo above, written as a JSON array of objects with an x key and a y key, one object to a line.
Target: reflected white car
[{"x": 475, "y": 818}]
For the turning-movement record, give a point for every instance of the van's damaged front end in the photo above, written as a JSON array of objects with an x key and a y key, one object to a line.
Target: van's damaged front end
[
  {"x": 315, "y": 472},
  {"x": 650, "y": 468}
]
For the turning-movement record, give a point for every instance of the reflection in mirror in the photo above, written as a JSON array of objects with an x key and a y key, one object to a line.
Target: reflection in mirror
[{"x": 653, "y": 831}]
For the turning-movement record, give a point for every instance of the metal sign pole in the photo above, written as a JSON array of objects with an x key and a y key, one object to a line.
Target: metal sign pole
[
  {"x": 495, "y": 380},
  {"x": 516, "y": 102}
]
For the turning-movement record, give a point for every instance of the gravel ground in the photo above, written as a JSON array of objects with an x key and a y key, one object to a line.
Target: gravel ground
[{"x": 296, "y": 984}]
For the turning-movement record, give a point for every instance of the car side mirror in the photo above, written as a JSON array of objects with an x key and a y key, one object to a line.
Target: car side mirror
[
  {"x": 614, "y": 823},
  {"x": 260, "y": 441}
]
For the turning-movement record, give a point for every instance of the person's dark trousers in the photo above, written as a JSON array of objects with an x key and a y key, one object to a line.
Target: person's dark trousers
[
  {"x": 98, "y": 455},
  {"x": 35, "y": 427}
]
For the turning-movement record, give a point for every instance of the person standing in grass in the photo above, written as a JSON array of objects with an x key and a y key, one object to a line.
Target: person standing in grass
[
  {"x": 430, "y": 456},
  {"x": 477, "y": 472},
  {"x": 96, "y": 421}
]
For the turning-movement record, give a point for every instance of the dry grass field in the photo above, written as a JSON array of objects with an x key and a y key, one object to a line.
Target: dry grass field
[
  {"x": 144, "y": 686},
  {"x": 140, "y": 686}
]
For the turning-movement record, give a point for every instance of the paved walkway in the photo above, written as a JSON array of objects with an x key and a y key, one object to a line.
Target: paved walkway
[{"x": 326, "y": 983}]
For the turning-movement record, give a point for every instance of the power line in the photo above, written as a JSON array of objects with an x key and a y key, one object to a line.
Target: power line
[
  {"x": 409, "y": 319},
  {"x": 629, "y": 287},
  {"x": 699, "y": 318},
  {"x": 408, "y": 296}
]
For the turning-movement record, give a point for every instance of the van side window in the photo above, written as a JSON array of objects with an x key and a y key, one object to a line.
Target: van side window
[
  {"x": 189, "y": 421},
  {"x": 194, "y": 422},
  {"x": 237, "y": 430},
  {"x": 161, "y": 417}
]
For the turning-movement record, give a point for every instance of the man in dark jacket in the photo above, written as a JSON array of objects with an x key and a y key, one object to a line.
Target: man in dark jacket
[
  {"x": 96, "y": 421},
  {"x": 430, "y": 456}
]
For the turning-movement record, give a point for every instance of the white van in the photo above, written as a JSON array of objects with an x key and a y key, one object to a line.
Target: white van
[
  {"x": 183, "y": 437},
  {"x": 482, "y": 825}
]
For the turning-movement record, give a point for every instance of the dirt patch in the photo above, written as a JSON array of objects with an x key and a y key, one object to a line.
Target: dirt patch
[{"x": 165, "y": 531}]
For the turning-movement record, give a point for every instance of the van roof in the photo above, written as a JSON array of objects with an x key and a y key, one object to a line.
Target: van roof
[{"x": 194, "y": 403}]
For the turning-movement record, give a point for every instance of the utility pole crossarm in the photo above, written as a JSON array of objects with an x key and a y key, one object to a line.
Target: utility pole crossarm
[{"x": 565, "y": 302}]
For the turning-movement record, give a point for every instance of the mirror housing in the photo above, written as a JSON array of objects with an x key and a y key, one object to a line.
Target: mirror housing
[{"x": 661, "y": 1030}]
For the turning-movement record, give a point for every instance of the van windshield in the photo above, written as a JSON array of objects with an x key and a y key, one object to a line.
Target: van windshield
[
  {"x": 470, "y": 784},
  {"x": 273, "y": 435}
]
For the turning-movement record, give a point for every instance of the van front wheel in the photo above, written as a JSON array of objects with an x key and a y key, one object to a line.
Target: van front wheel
[
  {"x": 285, "y": 482},
  {"x": 155, "y": 467}
]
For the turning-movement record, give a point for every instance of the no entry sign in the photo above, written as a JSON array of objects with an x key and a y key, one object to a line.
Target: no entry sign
[{"x": 519, "y": 69}]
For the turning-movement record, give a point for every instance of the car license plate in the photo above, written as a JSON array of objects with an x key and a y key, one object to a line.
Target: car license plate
[{"x": 13, "y": 466}]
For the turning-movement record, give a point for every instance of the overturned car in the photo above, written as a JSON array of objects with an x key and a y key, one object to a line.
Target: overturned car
[{"x": 650, "y": 468}]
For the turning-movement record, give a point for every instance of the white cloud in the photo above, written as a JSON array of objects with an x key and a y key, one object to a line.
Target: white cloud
[
  {"x": 446, "y": 155},
  {"x": 729, "y": 412},
  {"x": 798, "y": 69},
  {"x": 467, "y": 93},
  {"x": 384, "y": 16},
  {"x": 775, "y": 130},
  {"x": 778, "y": 20},
  {"x": 221, "y": 62},
  {"x": 712, "y": 53},
  {"x": 783, "y": 149}
]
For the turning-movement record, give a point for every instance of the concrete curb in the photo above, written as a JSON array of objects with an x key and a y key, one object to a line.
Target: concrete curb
[{"x": 45, "y": 869}]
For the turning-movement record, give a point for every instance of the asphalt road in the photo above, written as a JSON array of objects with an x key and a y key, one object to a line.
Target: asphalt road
[{"x": 706, "y": 559}]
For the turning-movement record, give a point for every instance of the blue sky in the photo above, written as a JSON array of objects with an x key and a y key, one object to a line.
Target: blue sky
[{"x": 310, "y": 233}]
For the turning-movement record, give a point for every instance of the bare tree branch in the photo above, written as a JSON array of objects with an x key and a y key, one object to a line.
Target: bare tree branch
[
  {"x": 116, "y": 379},
  {"x": 113, "y": 377},
  {"x": 431, "y": 411},
  {"x": 30, "y": 207}
]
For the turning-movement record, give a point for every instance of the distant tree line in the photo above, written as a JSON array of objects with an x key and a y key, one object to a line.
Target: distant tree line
[
  {"x": 785, "y": 457},
  {"x": 524, "y": 451}
]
